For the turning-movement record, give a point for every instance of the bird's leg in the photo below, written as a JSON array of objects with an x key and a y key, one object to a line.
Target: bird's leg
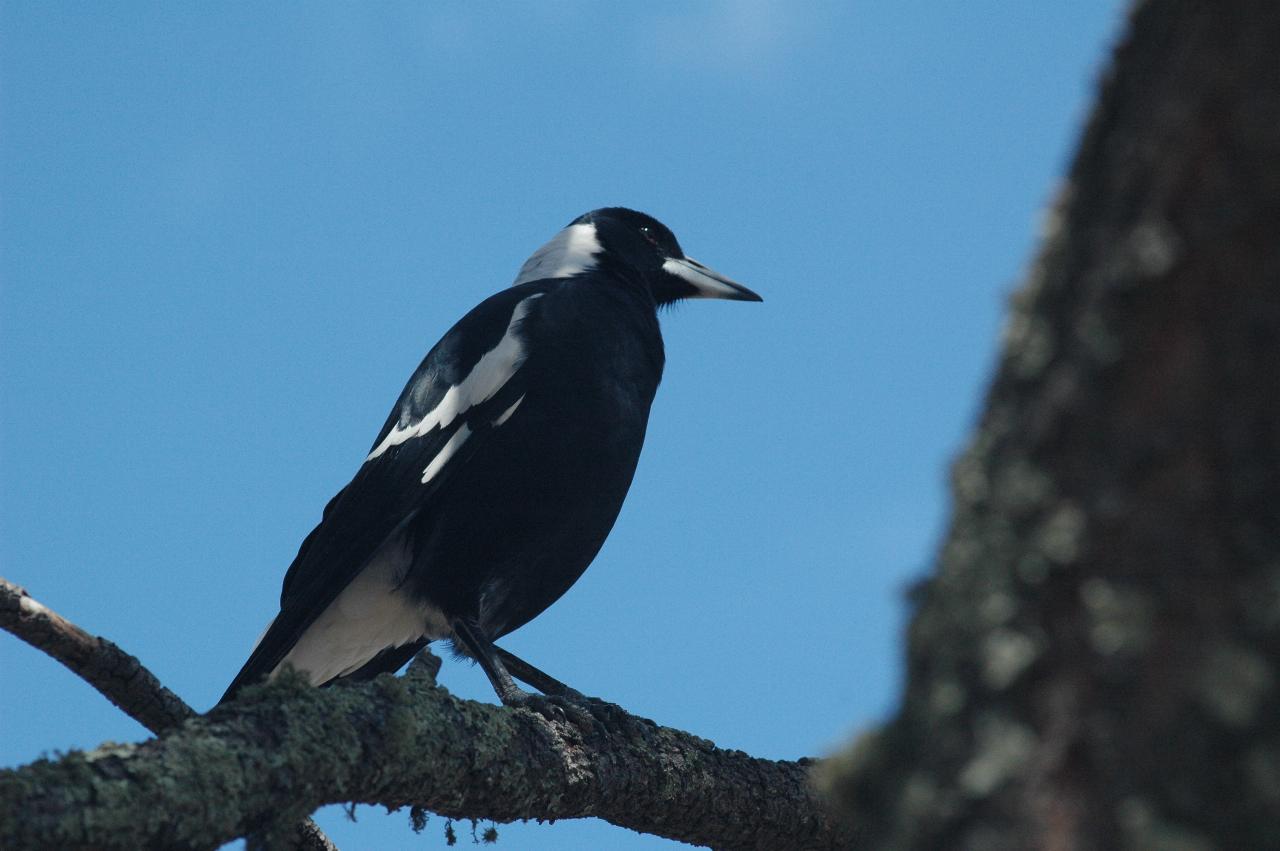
[
  {"x": 607, "y": 715},
  {"x": 557, "y": 703},
  {"x": 483, "y": 651},
  {"x": 543, "y": 682}
]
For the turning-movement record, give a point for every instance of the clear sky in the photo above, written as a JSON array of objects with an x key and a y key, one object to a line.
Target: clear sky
[{"x": 230, "y": 231}]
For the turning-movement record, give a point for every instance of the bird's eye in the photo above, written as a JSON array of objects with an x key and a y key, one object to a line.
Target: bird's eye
[{"x": 647, "y": 233}]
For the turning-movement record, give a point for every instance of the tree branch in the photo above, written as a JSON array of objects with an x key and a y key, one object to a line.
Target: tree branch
[
  {"x": 118, "y": 676},
  {"x": 286, "y": 748}
]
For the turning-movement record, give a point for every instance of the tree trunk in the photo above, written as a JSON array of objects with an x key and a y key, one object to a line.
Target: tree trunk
[{"x": 1094, "y": 664}]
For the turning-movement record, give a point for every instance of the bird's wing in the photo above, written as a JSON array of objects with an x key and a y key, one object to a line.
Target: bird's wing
[{"x": 469, "y": 384}]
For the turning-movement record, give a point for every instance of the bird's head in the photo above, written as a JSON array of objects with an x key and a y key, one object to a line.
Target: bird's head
[{"x": 630, "y": 240}]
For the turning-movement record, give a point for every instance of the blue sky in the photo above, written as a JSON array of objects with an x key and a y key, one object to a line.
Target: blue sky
[{"x": 229, "y": 232}]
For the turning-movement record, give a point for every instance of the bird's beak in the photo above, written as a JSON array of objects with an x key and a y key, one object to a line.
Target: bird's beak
[{"x": 707, "y": 283}]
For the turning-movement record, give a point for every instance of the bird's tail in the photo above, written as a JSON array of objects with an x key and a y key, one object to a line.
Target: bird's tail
[
  {"x": 274, "y": 644},
  {"x": 264, "y": 660}
]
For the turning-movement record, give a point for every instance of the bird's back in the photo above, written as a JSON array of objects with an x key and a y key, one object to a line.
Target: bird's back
[
  {"x": 525, "y": 517},
  {"x": 521, "y": 504}
]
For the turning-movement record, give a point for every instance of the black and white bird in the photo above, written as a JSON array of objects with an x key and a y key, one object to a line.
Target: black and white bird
[{"x": 499, "y": 472}]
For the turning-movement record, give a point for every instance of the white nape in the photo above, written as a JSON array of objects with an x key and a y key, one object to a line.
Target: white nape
[
  {"x": 570, "y": 252},
  {"x": 491, "y": 372},
  {"x": 370, "y": 615}
]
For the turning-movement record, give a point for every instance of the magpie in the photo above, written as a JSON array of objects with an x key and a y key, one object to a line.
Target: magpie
[{"x": 500, "y": 470}]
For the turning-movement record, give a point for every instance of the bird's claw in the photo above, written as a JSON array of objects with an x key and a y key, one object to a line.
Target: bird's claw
[
  {"x": 610, "y": 716},
  {"x": 588, "y": 714},
  {"x": 555, "y": 709}
]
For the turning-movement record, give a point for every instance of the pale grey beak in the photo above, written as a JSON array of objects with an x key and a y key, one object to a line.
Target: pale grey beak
[{"x": 707, "y": 283}]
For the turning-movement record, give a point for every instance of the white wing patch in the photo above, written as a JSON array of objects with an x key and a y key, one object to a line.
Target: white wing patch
[
  {"x": 506, "y": 415},
  {"x": 571, "y": 251},
  {"x": 491, "y": 372},
  {"x": 446, "y": 452},
  {"x": 370, "y": 615}
]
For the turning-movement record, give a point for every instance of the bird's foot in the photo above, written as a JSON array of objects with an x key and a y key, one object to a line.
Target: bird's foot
[
  {"x": 612, "y": 717},
  {"x": 556, "y": 709},
  {"x": 588, "y": 714}
]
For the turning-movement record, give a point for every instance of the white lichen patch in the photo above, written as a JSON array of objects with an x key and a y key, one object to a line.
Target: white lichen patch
[
  {"x": 1030, "y": 344},
  {"x": 998, "y": 608},
  {"x": 1006, "y": 654},
  {"x": 1061, "y": 537},
  {"x": 1022, "y": 488},
  {"x": 1144, "y": 828},
  {"x": 1119, "y": 619},
  {"x": 1154, "y": 248},
  {"x": 1232, "y": 683},
  {"x": 969, "y": 479},
  {"x": 1098, "y": 339},
  {"x": 110, "y": 750},
  {"x": 946, "y": 697},
  {"x": 1002, "y": 750}
]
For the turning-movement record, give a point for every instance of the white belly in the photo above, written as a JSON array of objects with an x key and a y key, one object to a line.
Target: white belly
[{"x": 369, "y": 616}]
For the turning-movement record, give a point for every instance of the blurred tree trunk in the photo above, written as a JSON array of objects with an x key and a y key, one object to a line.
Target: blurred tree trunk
[{"x": 1095, "y": 662}]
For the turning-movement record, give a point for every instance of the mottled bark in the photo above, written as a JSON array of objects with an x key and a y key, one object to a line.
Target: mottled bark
[
  {"x": 1095, "y": 662},
  {"x": 286, "y": 748},
  {"x": 237, "y": 772},
  {"x": 117, "y": 676}
]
